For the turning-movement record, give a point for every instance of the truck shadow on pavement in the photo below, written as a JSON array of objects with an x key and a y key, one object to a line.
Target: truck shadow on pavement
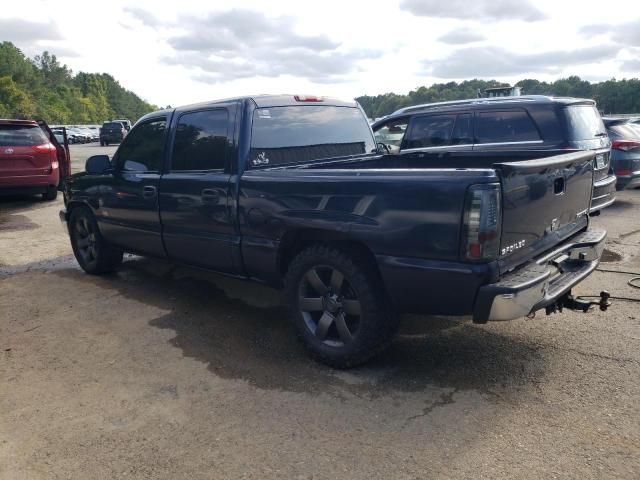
[{"x": 239, "y": 330}]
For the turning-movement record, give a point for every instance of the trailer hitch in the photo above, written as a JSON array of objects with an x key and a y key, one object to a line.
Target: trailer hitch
[{"x": 579, "y": 303}]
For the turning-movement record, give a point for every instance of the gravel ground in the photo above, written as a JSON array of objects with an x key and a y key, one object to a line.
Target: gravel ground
[{"x": 166, "y": 372}]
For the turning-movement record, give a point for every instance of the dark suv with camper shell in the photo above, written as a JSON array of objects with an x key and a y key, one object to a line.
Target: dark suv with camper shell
[{"x": 488, "y": 130}]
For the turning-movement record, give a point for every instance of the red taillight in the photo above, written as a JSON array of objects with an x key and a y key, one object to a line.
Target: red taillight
[
  {"x": 308, "y": 98},
  {"x": 625, "y": 145},
  {"x": 482, "y": 222},
  {"x": 623, "y": 172},
  {"x": 44, "y": 148}
]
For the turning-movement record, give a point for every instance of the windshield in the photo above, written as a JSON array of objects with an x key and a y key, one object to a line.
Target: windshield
[
  {"x": 392, "y": 133},
  {"x": 21, "y": 136},
  {"x": 283, "y": 135},
  {"x": 584, "y": 122},
  {"x": 117, "y": 125}
]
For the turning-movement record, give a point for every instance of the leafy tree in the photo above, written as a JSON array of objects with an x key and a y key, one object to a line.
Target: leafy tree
[
  {"x": 13, "y": 101},
  {"x": 612, "y": 96},
  {"x": 45, "y": 88}
]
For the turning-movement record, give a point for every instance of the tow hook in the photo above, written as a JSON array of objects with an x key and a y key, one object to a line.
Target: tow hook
[{"x": 578, "y": 303}]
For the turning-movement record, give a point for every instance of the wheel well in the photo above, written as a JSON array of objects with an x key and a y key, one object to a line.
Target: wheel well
[
  {"x": 72, "y": 205},
  {"x": 294, "y": 242}
]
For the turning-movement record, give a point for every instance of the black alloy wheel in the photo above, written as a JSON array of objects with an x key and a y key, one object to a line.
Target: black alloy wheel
[
  {"x": 338, "y": 305},
  {"x": 92, "y": 252},
  {"x": 329, "y": 305}
]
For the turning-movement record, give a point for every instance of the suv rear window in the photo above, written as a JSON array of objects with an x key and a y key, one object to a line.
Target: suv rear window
[
  {"x": 117, "y": 125},
  {"x": 283, "y": 135},
  {"x": 584, "y": 122},
  {"x": 506, "y": 126},
  {"x": 21, "y": 136},
  {"x": 624, "y": 130}
]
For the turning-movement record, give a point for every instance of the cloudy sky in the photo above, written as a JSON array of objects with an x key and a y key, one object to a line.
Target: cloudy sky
[{"x": 188, "y": 51}]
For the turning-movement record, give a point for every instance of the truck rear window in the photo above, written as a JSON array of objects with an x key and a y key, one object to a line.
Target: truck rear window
[
  {"x": 295, "y": 134},
  {"x": 21, "y": 136},
  {"x": 584, "y": 122}
]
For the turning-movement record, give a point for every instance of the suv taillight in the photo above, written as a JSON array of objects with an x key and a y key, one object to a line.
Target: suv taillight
[
  {"x": 625, "y": 145},
  {"x": 482, "y": 221},
  {"x": 45, "y": 147}
]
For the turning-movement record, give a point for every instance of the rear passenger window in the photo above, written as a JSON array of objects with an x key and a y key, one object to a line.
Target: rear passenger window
[
  {"x": 508, "y": 126},
  {"x": 463, "y": 130},
  {"x": 142, "y": 150},
  {"x": 201, "y": 141},
  {"x": 430, "y": 131}
]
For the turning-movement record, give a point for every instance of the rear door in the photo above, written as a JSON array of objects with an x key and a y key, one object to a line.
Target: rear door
[
  {"x": 25, "y": 151},
  {"x": 544, "y": 202},
  {"x": 195, "y": 192},
  {"x": 505, "y": 130}
]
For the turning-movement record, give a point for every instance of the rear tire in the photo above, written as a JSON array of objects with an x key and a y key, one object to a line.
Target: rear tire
[
  {"x": 338, "y": 306},
  {"x": 92, "y": 252},
  {"x": 50, "y": 194}
]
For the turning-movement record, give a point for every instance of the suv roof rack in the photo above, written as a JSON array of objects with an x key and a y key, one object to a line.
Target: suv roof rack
[{"x": 491, "y": 100}]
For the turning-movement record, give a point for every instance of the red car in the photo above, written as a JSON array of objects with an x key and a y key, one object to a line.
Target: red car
[{"x": 32, "y": 160}]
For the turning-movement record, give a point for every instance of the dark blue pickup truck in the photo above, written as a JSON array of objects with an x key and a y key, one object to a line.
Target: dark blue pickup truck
[{"x": 291, "y": 191}]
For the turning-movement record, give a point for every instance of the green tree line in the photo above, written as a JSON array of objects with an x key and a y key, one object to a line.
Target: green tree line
[
  {"x": 612, "y": 96},
  {"x": 45, "y": 89}
]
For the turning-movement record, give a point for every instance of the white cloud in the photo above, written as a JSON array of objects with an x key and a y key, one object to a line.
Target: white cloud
[
  {"x": 498, "y": 62},
  {"x": 475, "y": 9},
  {"x": 627, "y": 33},
  {"x": 461, "y": 36}
]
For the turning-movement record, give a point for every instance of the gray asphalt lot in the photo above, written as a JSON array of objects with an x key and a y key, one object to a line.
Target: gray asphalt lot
[{"x": 163, "y": 372}]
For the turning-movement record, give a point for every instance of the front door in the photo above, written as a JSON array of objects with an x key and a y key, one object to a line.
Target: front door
[
  {"x": 195, "y": 193},
  {"x": 128, "y": 211}
]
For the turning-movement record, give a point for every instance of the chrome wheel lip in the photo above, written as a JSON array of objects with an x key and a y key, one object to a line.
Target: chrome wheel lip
[{"x": 329, "y": 315}]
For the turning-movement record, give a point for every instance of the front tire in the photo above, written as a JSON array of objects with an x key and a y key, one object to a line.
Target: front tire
[
  {"x": 338, "y": 306},
  {"x": 92, "y": 252}
]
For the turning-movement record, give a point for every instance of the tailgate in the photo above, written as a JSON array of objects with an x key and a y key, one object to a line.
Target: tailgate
[
  {"x": 23, "y": 162},
  {"x": 544, "y": 202}
]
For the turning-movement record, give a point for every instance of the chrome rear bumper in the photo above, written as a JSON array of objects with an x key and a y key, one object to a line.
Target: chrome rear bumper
[{"x": 543, "y": 281}]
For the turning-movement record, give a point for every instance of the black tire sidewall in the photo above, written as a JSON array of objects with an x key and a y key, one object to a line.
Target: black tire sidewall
[
  {"x": 107, "y": 257},
  {"x": 51, "y": 194},
  {"x": 376, "y": 323}
]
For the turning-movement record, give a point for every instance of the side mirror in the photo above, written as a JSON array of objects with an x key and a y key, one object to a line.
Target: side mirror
[{"x": 97, "y": 165}]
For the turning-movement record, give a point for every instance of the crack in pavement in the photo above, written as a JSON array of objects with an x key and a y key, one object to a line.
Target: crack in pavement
[{"x": 445, "y": 399}]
